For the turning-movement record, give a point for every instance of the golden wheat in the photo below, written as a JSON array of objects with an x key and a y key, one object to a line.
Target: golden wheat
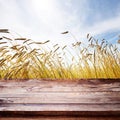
[{"x": 18, "y": 60}]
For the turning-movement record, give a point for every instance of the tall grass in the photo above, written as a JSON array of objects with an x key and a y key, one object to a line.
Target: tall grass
[{"x": 20, "y": 59}]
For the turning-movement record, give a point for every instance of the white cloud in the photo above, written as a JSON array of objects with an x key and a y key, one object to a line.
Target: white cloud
[
  {"x": 40, "y": 19},
  {"x": 104, "y": 26},
  {"x": 10, "y": 16},
  {"x": 46, "y": 19}
]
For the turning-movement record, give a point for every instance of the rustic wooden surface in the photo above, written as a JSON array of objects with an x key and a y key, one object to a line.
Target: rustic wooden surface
[{"x": 85, "y": 98}]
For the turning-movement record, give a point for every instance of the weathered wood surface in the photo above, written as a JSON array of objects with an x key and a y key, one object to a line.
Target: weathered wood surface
[{"x": 47, "y": 97}]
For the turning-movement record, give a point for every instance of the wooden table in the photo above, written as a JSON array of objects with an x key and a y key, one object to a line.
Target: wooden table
[{"x": 60, "y": 99}]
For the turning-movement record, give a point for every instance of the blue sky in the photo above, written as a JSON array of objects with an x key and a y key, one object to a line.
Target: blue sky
[{"x": 46, "y": 19}]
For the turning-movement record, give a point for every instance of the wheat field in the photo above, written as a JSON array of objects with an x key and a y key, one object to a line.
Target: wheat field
[{"x": 21, "y": 59}]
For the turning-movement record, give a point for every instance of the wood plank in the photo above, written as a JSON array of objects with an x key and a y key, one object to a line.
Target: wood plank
[
  {"x": 34, "y": 86},
  {"x": 83, "y": 97},
  {"x": 60, "y": 118},
  {"x": 60, "y": 107}
]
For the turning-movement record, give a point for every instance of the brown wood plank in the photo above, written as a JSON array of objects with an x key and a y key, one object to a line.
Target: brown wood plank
[
  {"x": 82, "y": 97},
  {"x": 34, "y": 86},
  {"x": 60, "y": 118},
  {"x": 61, "y": 107}
]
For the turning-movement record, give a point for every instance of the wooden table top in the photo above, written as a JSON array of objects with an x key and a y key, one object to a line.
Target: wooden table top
[{"x": 85, "y": 98}]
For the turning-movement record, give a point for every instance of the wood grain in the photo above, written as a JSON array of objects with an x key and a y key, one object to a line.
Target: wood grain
[{"x": 60, "y": 97}]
